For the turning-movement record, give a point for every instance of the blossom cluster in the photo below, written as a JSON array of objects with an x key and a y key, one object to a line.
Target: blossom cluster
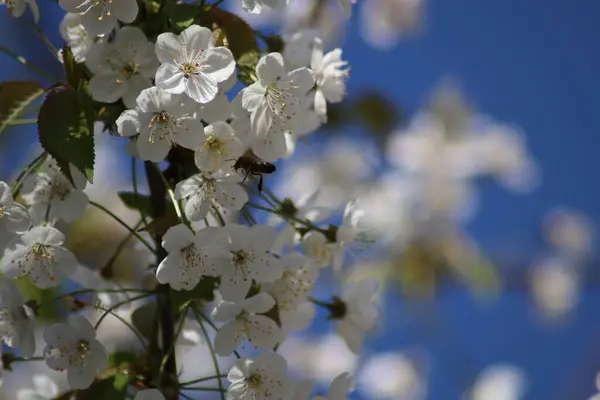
[{"x": 180, "y": 90}]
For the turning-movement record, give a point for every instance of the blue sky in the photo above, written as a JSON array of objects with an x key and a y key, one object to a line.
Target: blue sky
[{"x": 531, "y": 63}]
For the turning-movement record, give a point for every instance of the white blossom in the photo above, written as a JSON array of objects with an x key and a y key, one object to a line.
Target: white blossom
[
  {"x": 277, "y": 94},
  {"x": 204, "y": 190},
  {"x": 317, "y": 247},
  {"x": 249, "y": 259},
  {"x": 349, "y": 231},
  {"x": 261, "y": 378},
  {"x": 17, "y": 320},
  {"x": 330, "y": 74},
  {"x": 13, "y": 216},
  {"x": 52, "y": 196},
  {"x": 162, "y": 120},
  {"x": 597, "y": 396},
  {"x": 291, "y": 290},
  {"x": 499, "y": 382},
  {"x": 256, "y": 6},
  {"x": 191, "y": 64},
  {"x": 358, "y": 314},
  {"x": 219, "y": 108},
  {"x": 44, "y": 388},
  {"x": 78, "y": 39},
  {"x": 392, "y": 376},
  {"x": 190, "y": 257},
  {"x": 298, "y": 48},
  {"x": 243, "y": 321},
  {"x": 220, "y": 146},
  {"x": 100, "y": 17},
  {"x": 18, "y": 7},
  {"x": 73, "y": 346},
  {"x": 339, "y": 388},
  {"x": 385, "y": 22},
  {"x": 274, "y": 144},
  {"x": 149, "y": 394},
  {"x": 123, "y": 68},
  {"x": 39, "y": 253}
]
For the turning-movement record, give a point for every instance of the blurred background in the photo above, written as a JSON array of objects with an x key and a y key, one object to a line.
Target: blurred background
[{"x": 469, "y": 137}]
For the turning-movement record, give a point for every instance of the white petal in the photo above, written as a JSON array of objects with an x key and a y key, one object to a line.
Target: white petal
[
  {"x": 125, "y": 10},
  {"x": 270, "y": 68},
  {"x": 45, "y": 386},
  {"x": 259, "y": 304},
  {"x": 218, "y": 63},
  {"x": 128, "y": 123},
  {"x": 149, "y": 394},
  {"x": 170, "y": 79},
  {"x": 196, "y": 38},
  {"x": 106, "y": 88},
  {"x": 82, "y": 327},
  {"x": 263, "y": 332},
  {"x": 81, "y": 377},
  {"x": 153, "y": 151},
  {"x": 168, "y": 47},
  {"x": 227, "y": 338},
  {"x": 135, "y": 85},
  {"x": 201, "y": 88}
]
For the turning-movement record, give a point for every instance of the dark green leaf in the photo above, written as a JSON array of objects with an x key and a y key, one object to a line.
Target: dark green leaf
[
  {"x": 143, "y": 319},
  {"x": 66, "y": 130},
  {"x": 14, "y": 97},
  {"x": 120, "y": 357},
  {"x": 140, "y": 202},
  {"x": 182, "y": 15}
]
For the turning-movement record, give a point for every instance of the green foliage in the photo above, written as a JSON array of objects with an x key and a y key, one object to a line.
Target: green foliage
[
  {"x": 14, "y": 97},
  {"x": 113, "y": 388},
  {"x": 66, "y": 130},
  {"x": 74, "y": 72},
  {"x": 143, "y": 319},
  {"x": 181, "y": 15},
  {"x": 137, "y": 202}
]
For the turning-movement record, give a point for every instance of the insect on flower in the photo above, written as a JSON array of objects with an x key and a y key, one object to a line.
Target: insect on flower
[{"x": 254, "y": 166}]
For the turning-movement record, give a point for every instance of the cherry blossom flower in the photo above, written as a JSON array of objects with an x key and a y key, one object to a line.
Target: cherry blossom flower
[
  {"x": 17, "y": 320},
  {"x": 190, "y": 257},
  {"x": 263, "y": 377},
  {"x": 201, "y": 191},
  {"x": 219, "y": 108},
  {"x": 162, "y": 120},
  {"x": 357, "y": 313},
  {"x": 277, "y": 94},
  {"x": 73, "y": 346},
  {"x": 274, "y": 144},
  {"x": 44, "y": 388},
  {"x": 191, "y": 64},
  {"x": 385, "y": 22},
  {"x": 317, "y": 247},
  {"x": 243, "y": 321},
  {"x": 78, "y": 39},
  {"x": 18, "y": 7},
  {"x": 13, "y": 216},
  {"x": 330, "y": 73},
  {"x": 39, "y": 253},
  {"x": 499, "y": 382},
  {"x": 249, "y": 260},
  {"x": 392, "y": 376},
  {"x": 339, "y": 388},
  {"x": 256, "y": 6},
  {"x": 348, "y": 232},
  {"x": 149, "y": 394},
  {"x": 597, "y": 396},
  {"x": 52, "y": 196},
  {"x": 123, "y": 68},
  {"x": 100, "y": 17},
  {"x": 220, "y": 146}
]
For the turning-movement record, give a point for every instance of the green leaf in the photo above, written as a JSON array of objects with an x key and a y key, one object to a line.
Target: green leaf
[
  {"x": 120, "y": 357},
  {"x": 241, "y": 38},
  {"x": 143, "y": 319},
  {"x": 14, "y": 97},
  {"x": 140, "y": 202},
  {"x": 182, "y": 15},
  {"x": 101, "y": 389},
  {"x": 66, "y": 130}
]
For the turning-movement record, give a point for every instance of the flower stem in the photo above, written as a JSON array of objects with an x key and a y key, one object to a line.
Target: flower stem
[
  {"x": 26, "y": 63},
  {"x": 199, "y": 380},
  {"x": 123, "y": 224},
  {"x": 24, "y": 121},
  {"x": 167, "y": 378},
  {"x": 212, "y": 352},
  {"x": 33, "y": 166}
]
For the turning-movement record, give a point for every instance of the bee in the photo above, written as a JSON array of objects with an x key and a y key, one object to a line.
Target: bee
[{"x": 254, "y": 166}]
